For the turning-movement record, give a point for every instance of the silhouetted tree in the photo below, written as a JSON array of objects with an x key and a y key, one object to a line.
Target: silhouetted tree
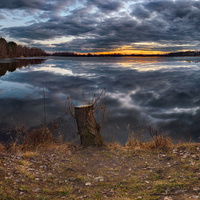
[
  {"x": 3, "y": 47},
  {"x": 11, "y": 49}
]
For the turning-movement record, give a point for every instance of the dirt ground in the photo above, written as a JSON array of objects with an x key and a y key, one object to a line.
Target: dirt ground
[{"x": 111, "y": 172}]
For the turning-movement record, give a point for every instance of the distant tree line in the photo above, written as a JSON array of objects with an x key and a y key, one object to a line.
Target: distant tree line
[
  {"x": 184, "y": 53},
  {"x": 11, "y": 49},
  {"x": 83, "y": 55},
  {"x": 64, "y": 54},
  {"x": 171, "y": 54}
]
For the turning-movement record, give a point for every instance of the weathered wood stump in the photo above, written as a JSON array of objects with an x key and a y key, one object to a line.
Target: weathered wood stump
[{"x": 88, "y": 128}]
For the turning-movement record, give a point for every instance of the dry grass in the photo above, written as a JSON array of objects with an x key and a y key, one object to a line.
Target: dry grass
[
  {"x": 30, "y": 154},
  {"x": 159, "y": 141},
  {"x": 113, "y": 145},
  {"x": 33, "y": 139}
]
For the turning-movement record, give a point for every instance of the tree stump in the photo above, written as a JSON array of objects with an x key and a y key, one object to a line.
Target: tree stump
[{"x": 88, "y": 128}]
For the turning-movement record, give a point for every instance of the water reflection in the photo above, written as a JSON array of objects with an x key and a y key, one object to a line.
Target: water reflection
[
  {"x": 167, "y": 96},
  {"x": 12, "y": 65}
]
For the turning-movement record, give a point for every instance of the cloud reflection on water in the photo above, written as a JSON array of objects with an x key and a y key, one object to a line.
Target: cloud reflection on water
[{"x": 168, "y": 95}]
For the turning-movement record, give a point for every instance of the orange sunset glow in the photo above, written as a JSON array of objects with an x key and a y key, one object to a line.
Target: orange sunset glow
[{"x": 128, "y": 50}]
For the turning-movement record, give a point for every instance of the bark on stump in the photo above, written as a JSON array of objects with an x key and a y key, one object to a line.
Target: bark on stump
[{"x": 88, "y": 128}]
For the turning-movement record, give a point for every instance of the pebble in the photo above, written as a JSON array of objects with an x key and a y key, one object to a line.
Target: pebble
[
  {"x": 100, "y": 178},
  {"x": 185, "y": 156},
  {"x": 36, "y": 190},
  {"x": 88, "y": 184},
  {"x": 168, "y": 198},
  {"x": 31, "y": 169},
  {"x": 195, "y": 157},
  {"x": 194, "y": 197},
  {"x": 196, "y": 189}
]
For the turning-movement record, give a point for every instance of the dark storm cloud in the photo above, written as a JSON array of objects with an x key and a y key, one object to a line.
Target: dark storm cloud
[
  {"x": 73, "y": 25},
  {"x": 109, "y": 25},
  {"x": 33, "y": 4},
  {"x": 106, "y": 6}
]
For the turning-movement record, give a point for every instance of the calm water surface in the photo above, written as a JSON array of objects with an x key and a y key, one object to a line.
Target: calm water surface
[{"x": 164, "y": 92}]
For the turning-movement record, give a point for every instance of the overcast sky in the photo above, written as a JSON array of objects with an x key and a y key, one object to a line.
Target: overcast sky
[{"x": 127, "y": 26}]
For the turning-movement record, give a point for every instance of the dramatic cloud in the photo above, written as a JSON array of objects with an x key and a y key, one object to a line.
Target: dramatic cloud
[
  {"x": 94, "y": 25},
  {"x": 2, "y": 17},
  {"x": 34, "y": 4},
  {"x": 108, "y": 6}
]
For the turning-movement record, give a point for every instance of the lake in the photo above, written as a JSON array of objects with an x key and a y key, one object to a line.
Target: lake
[{"x": 159, "y": 91}]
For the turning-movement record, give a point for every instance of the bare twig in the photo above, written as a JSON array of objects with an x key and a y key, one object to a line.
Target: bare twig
[
  {"x": 2, "y": 121},
  {"x": 44, "y": 104},
  {"x": 70, "y": 108}
]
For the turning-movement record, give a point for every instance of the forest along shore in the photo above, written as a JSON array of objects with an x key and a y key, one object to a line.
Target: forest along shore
[{"x": 69, "y": 171}]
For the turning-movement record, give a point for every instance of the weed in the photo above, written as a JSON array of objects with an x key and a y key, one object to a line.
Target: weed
[
  {"x": 159, "y": 140},
  {"x": 30, "y": 154}
]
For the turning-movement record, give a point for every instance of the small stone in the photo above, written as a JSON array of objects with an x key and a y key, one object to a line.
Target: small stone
[
  {"x": 185, "y": 156},
  {"x": 194, "y": 197},
  {"x": 37, "y": 179},
  {"x": 31, "y": 169},
  {"x": 88, "y": 184},
  {"x": 100, "y": 179},
  {"x": 89, "y": 175},
  {"x": 65, "y": 181},
  {"x": 168, "y": 198},
  {"x": 196, "y": 189},
  {"x": 36, "y": 190},
  {"x": 195, "y": 157}
]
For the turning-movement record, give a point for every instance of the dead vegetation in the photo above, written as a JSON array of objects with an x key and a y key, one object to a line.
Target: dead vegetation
[
  {"x": 28, "y": 140},
  {"x": 158, "y": 140}
]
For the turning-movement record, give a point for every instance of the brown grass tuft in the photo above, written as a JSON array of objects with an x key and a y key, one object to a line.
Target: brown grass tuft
[
  {"x": 159, "y": 141},
  {"x": 113, "y": 145},
  {"x": 33, "y": 139},
  {"x": 30, "y": 154}
]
